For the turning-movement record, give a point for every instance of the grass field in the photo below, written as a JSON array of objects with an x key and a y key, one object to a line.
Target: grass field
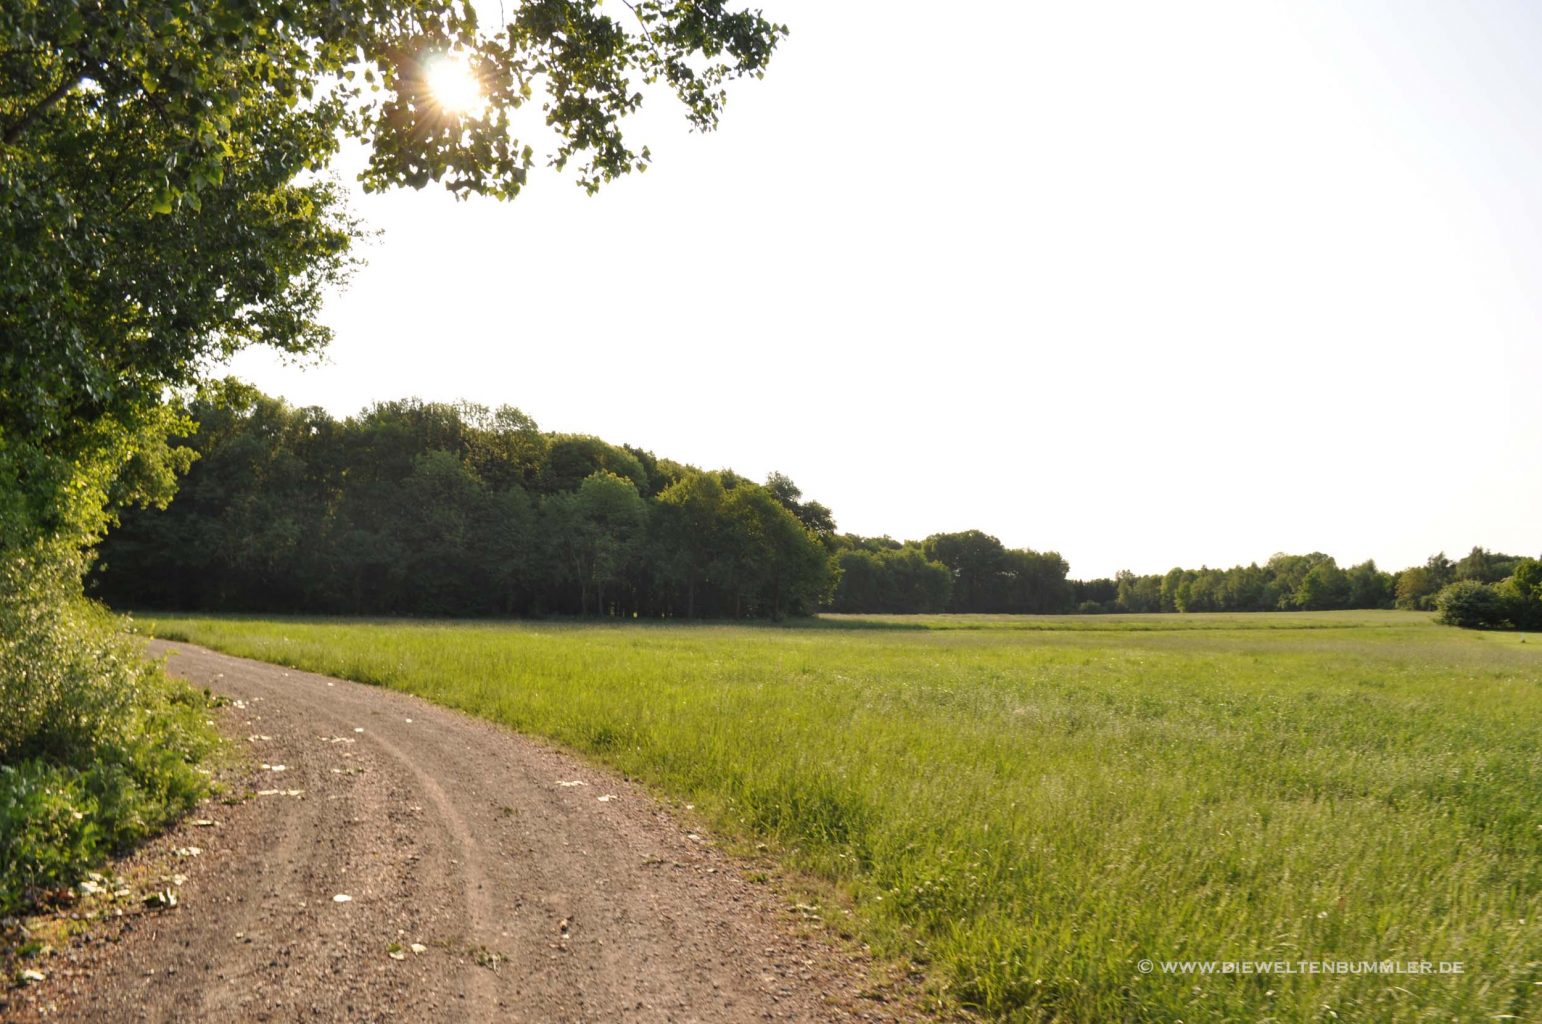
[{"x": 1033, "y": 806}]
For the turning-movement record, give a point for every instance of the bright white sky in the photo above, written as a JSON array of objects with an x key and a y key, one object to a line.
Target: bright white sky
[{"x": 1147, "y": 284}]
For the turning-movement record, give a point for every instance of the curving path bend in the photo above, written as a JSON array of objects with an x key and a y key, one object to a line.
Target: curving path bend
[{"x": 513, "y": 882}]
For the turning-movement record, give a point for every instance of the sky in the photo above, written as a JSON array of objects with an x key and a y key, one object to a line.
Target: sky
[{"x": 1148, "y": 285}]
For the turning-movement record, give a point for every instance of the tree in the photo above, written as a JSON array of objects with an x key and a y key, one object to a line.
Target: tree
[
  {"x": 688, "y": 530},
  {"x": 442, "y": 525},
  {"x": 1137, "y": 593},
  {"x": 657, "y": 473},
  {"x": 1324, "y": 587},
  {"x": 898, "y": 579},
  {"x": 1416, "y": 588},
  {"x": 503, "y": 446},
  {"x": 1175, "y": 587},
  {"x": 1485, "y": 566},
  {"x": 1522, "y": 592},
  {"x": 1250, "y": 589},
  {"x": 598, "y": 529},
  {"x": 1441, "y": 569},
  {"x": 1527, "y": 577},
  {"x": 976, "y": 560},
  {"x": 1099, "y": 595},
  {"x": 818, "y": 518},
  {"x": 863, "y": 586},
  {"x": 570, "y": 459},
  {"x": 161, "y": 207},
  {"x": 776, "y": 566},
  {"x": 1034, "y": 583},
  {"x": 1369, "y": 587}
]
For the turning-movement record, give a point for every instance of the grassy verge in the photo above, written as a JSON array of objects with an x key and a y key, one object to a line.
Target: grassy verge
[
  {"x": 1033, "y": 809},
  {"x": 98, "y": 748}
]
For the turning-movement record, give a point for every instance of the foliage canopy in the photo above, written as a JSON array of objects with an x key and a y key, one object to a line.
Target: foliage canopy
[
  {"x": 161, "y": 165},
  {"x": 430, "y": 509}
]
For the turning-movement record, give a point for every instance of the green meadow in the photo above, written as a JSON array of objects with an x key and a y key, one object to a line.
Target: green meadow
[{"x": 1031, "y": 807}]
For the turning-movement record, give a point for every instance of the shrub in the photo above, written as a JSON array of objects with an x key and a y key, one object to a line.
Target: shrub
[
  {"x": 98, "y": 748},
  {"x": 1475, "y": 605}
]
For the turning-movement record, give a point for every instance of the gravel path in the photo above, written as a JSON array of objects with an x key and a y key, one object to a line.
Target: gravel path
[{"x": 399, "y": 861}]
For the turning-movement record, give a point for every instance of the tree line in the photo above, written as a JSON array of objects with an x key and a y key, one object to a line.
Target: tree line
[
  {"x": 966, "y": 572},
  {"x": 455, "y": 509},
  {"x": 434, "y": 509},
  {"x": 973, "y": 572},
  {"x": 1311, "y": 582},
  {"x": 421, "y": 508}
]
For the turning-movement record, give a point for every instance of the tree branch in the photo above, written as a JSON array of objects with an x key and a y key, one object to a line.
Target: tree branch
[{"x": 14, "y": 130}]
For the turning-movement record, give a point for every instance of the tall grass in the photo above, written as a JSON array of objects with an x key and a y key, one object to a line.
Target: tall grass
[
  {"x": 1033, "y": 807},
  {"x": 98, "y": 748}
]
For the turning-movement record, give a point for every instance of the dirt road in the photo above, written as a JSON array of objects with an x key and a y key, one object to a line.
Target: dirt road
[{"x": 398, "y": 861}]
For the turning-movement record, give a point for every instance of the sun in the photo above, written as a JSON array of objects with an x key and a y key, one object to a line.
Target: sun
[{"x": 453, "y": 84}]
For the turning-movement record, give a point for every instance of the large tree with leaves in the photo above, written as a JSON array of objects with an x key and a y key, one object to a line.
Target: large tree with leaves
[{"x": 160, "y": 161}]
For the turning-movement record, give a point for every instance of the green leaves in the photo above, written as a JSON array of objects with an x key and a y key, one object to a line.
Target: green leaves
[
  {"x": 151, "y": 156},
  {"x": 431, "y": 509},
  {"x": 97, "y": 747}
]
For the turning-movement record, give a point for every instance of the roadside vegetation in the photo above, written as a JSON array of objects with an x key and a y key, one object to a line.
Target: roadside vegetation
[
  {"x": 1029, "y": 807},
  {"x": 98, "y": 748}
]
